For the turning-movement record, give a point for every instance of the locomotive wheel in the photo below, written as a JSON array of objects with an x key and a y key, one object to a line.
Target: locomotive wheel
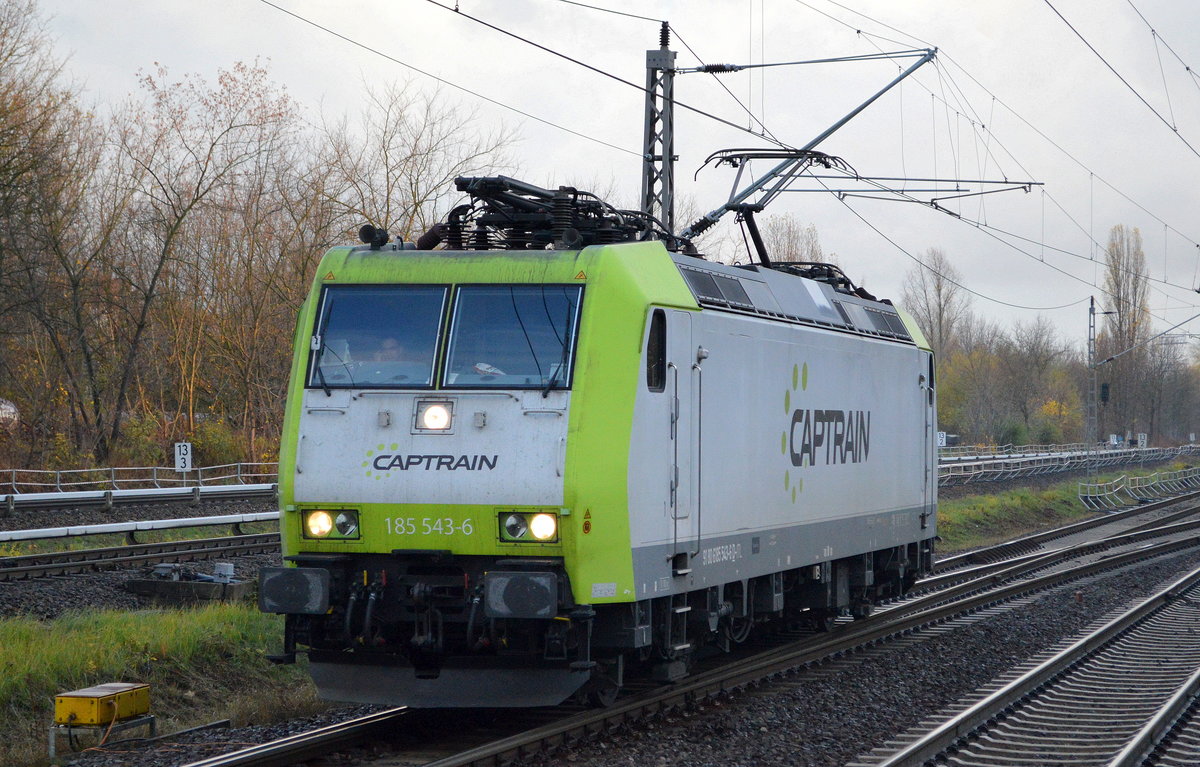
[
  {"x": 823, "y": 620},
  {"x": 862, "y": 610},
  {"x": 601, "y": 692}
]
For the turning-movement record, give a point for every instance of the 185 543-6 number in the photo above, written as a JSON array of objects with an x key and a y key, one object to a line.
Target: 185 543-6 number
[{"x": 428, "y": 526}]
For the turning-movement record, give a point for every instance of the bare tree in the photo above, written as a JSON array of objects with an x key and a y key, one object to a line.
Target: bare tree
[
  {"x": 1126, "y": 329},
  {"x": 1027, "y": 361},
  {"x": 395, "y": 165},
  {"x": 789, "y": 240},
  {"x": 938, "y": 304},
  {"x": 34, "y": 127}
]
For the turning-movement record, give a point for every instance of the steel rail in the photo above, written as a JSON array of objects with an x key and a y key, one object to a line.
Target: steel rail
[
  {"x": 307, "y": 745},
  {"x": 946, "y": 734},
  {"x": 91, "y": 560},
  {"x": 770, "y": 664},
  {"x": 1041, "y": 559},
  {"x": 1029, "y": 543},
  {"x": 130, "y": 528},
  {"x": 905, "y": 619},
  {"x": 108, "y": 498}
]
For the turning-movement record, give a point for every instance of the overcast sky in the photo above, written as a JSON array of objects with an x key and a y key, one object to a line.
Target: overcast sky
[{"x": 1007, "y": 71}]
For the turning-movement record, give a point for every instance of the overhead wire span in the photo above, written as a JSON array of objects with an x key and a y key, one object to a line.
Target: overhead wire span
[
  {"x": 766, "y": 131},
  {"x": 946, "y": 57},
  {"x": 991, "y": 232},
  {"x": 613, "y": 12},
  {"x": 952, "y": 281},
  {"x": 449, "y": 83},
  {"x": 965, "y": 106},
  {"x": 1121, "y": 77},
  {"x": 1157, "y": 38},
  {"x": 598, "y": 70},
  {"x": 679, "y": 37}
]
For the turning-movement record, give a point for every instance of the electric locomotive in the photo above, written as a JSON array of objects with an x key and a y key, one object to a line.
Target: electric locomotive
[{"x": 556, "y": 451}]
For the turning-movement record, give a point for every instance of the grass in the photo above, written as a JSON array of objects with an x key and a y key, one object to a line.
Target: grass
[
  {"x": 203, "y": 664},
  {"x": 985, "y": 519},
  {"x": 982, "y": 520}
]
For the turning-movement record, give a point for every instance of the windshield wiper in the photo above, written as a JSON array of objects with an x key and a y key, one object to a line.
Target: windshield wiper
[
  {"x": 321, "y": 376},
  {"x": 562, "y": 362}
]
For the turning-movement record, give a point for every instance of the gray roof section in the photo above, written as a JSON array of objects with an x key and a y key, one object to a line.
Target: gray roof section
[{"x": 753, "y": 289}]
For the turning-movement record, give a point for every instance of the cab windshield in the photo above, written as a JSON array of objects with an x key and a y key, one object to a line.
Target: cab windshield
[
  {"x": 513, "y": 336},
  {"x": 377, "y": 337}
]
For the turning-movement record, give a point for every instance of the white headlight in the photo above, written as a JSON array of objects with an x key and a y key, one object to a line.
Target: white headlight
[
  {"x": 318, "y": 524},
  {"x": 346, "y": 523},
  {"x": 435, "y": 416},
  {"x": 543, "y": 526},
  {"x": 515, "y": 526}
]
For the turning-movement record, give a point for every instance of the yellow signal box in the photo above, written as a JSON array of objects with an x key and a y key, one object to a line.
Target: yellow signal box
[{"x": 97, "y": 706}]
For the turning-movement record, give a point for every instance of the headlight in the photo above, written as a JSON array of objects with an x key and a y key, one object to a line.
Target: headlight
[
  {"x": 318, "y": 524},
  {"x": 346, "y": 523},
  {"x": 434, "y": 416},
  {"x": 515, "y": 526},
  {"x": 332, "y": 524},
  {"x": 543, "y": 526}
]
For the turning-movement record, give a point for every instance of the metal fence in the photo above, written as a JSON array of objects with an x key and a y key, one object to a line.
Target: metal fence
[
  {"x": 998, "y": 466},
  {"x": 19, "y": 481},
  {"x": 1125, "y": 491}
]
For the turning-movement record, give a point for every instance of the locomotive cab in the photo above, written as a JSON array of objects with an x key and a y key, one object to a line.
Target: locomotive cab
[{"x": 508, "y": 477}]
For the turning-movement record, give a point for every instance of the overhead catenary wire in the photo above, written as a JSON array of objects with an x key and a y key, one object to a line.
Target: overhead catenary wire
[
  {"x": 599, "y": 71},
  {"x": 1158, "y": 38},
  {"x": 949, "y": 279},
  {"x": 991, "y": 136},
  {"x": 947, "y": 57},
  {"x": 1121, "y": 77},
  {"x": 449, "y": 83},
  {"x": 675, "y": 31}
]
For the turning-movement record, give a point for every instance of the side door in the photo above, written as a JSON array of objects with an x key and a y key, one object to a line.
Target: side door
[
  {"x": 929, "y": 397},
  {"x": 684, "y": 449}
]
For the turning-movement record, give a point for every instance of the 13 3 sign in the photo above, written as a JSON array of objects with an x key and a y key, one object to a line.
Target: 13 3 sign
[{"x": 183, "y": 456}]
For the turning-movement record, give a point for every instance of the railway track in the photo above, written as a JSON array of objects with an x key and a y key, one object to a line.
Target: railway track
[
  {"x": 564, "y": 728},
  {"x": 116, "y": 557},
  {"x": 1037, "y": 541},
  {"x": 1106, "y": 699}
]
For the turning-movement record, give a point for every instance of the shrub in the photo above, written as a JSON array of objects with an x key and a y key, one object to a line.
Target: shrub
[
  {"x": 141, "y": 443},
  {"x": 214, "y": 443}
]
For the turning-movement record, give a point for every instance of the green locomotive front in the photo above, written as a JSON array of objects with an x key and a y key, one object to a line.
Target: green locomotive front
[{"x": 512, "y": 476}]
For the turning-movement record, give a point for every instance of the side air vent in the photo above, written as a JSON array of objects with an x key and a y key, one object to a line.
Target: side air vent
[
  {"x": 842, "y": 311},
  {"x": 887, "y": 323},
  {"x": 703, "y": 285},
  {"x": 717, "y": 287}
]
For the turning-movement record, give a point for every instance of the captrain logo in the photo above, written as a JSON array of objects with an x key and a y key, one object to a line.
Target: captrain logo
[
  {"x": 380, "y": 464},
  {"x": 820, "y": 437}
]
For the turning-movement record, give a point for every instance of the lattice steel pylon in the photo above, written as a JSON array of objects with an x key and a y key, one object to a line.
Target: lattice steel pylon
[
  {"x": 1091, "y": 426},
  {"x": 658, "y": 148}
]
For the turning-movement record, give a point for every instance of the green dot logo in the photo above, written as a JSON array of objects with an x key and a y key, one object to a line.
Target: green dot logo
[{"x": 799, "y": 382}]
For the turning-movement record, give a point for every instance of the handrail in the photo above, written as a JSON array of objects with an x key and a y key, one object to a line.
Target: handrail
[
  {"x": 134, "y": 527},
  {"x": 20, "y": 481},
  {"x": 107, "y": 498}
]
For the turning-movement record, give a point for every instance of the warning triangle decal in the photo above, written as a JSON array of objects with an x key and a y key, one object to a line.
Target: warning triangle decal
[
  {"x": 330, "y": 276},
  {"x": 581, "y": 276}
]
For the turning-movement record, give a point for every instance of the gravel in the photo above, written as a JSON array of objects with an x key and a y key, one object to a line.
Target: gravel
[
  {"x": 824, "y": 716},
  {"x": 47, "y": 598},
  {"x": 829, "y": 716}
]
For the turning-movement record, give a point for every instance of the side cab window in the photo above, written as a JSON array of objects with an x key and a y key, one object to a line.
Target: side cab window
[{"x": 656, "y": 352}]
